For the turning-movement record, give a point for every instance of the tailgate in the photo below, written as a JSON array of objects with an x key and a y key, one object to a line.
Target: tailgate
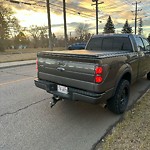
[{"x": 73, "y": 70}]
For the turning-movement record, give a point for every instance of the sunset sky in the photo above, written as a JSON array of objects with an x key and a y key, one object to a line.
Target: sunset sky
[{"x": 81, "y": 12}]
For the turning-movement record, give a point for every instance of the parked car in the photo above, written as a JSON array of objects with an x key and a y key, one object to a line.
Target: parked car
[
  {"x": 102, "y": 73},
  {"x": 77, "y": 46}
]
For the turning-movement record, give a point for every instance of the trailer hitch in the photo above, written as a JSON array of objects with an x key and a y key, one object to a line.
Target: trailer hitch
[{"x": 55, "y": 99}]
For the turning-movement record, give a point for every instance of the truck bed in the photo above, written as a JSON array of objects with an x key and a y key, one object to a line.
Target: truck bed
[{"x": 75, "y": 69}]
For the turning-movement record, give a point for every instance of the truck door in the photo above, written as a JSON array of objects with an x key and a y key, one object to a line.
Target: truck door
[
  {"x": 147, "y": 54},
  {"x": 142, "y": 59}
]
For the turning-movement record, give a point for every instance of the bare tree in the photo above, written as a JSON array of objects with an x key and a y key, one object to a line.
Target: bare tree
[
  {"x": 8, "y": 25},
  {"x": 21, "y": 40},
  {"x": 39, "y": 35},
  {"x": 82, "y": 30},
  {"x": 35, "y": 34},
  {"x": 43, "y": 37}
]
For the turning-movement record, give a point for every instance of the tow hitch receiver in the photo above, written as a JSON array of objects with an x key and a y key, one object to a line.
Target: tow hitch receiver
[{"x": 55, "y": 99}]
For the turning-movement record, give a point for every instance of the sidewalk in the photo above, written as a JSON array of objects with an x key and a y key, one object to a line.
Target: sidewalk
[{"x": 16, "y": 63}]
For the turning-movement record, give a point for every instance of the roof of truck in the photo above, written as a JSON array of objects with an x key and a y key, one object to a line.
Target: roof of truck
[{"x": 113, "y": 34}]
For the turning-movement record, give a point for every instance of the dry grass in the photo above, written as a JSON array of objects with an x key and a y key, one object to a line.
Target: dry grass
[
  {"x": 17, "y": 57},
  {"x": 22, "y": 54},
  {"x": 29, "y": 50},
  {"x": 133, "y": 133}
]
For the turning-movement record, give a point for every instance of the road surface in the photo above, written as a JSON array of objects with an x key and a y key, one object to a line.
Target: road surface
[{"x": 28, "y": 123}]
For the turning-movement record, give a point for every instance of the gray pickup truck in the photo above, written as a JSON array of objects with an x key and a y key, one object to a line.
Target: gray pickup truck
[{"x": 102, "y": 73}]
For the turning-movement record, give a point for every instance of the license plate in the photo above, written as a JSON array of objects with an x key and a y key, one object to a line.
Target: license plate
[{"x": 62, "y": 89}]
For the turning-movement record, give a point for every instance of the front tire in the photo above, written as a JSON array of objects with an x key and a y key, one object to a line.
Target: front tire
[
  {"x": 148, "y": 76},
  {"x": 118, "y": 103}
]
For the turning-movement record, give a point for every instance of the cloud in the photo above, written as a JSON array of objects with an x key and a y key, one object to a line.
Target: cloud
[
  {"x": 118, "y": 10},
  {"x": 117, "y": 7}
]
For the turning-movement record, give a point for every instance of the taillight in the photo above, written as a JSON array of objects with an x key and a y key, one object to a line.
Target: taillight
[
  {"x": 98, "y": 70},
  {"x": 98, "y": 74},
  {"x": 98, "y": 79},
  {"x": 36, "y": 65}
]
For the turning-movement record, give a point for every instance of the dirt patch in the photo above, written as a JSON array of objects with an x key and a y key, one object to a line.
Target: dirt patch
[{"x": 133, "y": 133}]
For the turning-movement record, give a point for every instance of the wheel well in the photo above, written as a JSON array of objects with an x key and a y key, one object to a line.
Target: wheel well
[{"x": 127, "y": 76}]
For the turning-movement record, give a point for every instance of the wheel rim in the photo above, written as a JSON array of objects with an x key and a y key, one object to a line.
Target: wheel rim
[{"x": 123, "y": 98}]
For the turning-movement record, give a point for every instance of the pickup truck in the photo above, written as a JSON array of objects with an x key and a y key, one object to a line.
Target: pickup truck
[{"x": 102, "y": 73}]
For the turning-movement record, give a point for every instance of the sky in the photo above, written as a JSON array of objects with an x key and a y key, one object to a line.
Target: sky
[{"x": 81, "y": 12}]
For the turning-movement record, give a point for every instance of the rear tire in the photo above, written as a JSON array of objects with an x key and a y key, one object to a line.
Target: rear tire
[
  {"x": 148, "y": 76},
  {"x": 118, "y": 103}
]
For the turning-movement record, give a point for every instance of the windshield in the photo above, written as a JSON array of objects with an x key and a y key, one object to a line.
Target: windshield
[{"x": 109, "y": 44}]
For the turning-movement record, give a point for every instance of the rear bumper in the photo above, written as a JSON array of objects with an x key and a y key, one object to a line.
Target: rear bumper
[{"x": 73, "y": 93}]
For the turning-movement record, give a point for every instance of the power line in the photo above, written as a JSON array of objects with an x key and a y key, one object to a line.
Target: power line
[
  {"x": 72, "y": 11},
  {"x": 60, "y": 8},
  {"x": 68, "y": 9}
]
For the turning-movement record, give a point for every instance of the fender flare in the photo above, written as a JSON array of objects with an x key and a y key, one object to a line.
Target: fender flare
[{"x": 126, "y": 68}]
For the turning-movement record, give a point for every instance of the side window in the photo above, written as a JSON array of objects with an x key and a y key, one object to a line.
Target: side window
[
  {"x": 122, "y": 44},
  {"x": 139, "y": 43},
  {"x": 146, "y": 44}
]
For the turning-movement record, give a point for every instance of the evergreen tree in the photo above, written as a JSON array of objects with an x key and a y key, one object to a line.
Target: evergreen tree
[
  {"x": 127, "y": 28},
  {"x": 148, "y": 38},
  {"x": 109, "y": 26},
  {"x": 140, "y": 29}
]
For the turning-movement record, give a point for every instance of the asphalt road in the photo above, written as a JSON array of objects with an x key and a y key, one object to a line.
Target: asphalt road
[{"x": 28, "y": 123}]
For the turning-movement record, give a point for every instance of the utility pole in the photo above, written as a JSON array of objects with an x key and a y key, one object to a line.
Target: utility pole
[
  {"x": 49, "y": 25},
  {"x": 136, "y": 14},
  {"x": 65, "y": 24},
  {"x": 96, "y": 4}
]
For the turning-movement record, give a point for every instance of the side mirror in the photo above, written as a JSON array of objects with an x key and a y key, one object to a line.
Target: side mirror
[
  {"x": 140, "y": 48},
  {"x": 148, "y": 48}
]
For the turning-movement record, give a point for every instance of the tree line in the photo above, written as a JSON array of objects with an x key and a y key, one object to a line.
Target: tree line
[{"x": 12, "y": 35}]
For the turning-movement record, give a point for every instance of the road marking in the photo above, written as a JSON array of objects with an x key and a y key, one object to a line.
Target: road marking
[{"x": 15, "y": 81}]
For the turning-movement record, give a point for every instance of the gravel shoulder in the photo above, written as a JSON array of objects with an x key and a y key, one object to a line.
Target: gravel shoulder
[{"x": 132, "y": 133}]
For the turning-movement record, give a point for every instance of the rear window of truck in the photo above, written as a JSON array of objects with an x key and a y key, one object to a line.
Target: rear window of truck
[{"x": 109, "y": 44}]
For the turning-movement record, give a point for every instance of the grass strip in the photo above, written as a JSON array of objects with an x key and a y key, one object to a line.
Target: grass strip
[{"x": 133, "y": 133}]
